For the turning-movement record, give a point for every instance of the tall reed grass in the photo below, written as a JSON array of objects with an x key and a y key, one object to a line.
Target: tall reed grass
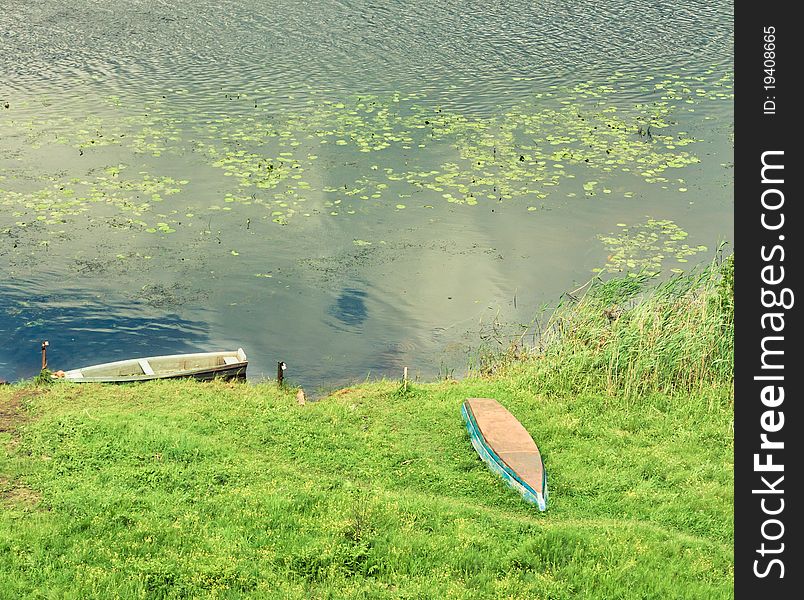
[{"x": 631, "y": 337}]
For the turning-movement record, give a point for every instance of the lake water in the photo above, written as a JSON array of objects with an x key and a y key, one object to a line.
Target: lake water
[{"x": 351, "y": 187}]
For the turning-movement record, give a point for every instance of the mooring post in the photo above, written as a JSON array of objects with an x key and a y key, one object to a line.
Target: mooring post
[
  {"x": 45, "y": 344},
  {"x": 280, "y": 372}
]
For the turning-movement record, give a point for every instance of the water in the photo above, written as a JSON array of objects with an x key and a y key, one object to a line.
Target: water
[{"x": 349, "y": 187}]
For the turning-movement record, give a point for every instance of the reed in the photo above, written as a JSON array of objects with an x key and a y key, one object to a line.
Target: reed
[{"x": 628, "y": 338}]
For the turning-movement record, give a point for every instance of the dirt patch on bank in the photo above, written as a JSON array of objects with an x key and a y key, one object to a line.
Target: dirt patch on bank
[
  {"x": 12, "y": 411},
  {"x": 12, "y": 415},
  {"x": 17, "y": 493}
]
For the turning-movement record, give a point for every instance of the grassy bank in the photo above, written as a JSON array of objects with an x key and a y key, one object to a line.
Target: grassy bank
[{"x": 180, "y": 489}]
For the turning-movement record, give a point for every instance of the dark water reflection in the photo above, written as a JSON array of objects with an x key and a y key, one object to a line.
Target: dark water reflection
[
  {"x": 350, "y": 308},
  {"x": 84, "y": 329}
]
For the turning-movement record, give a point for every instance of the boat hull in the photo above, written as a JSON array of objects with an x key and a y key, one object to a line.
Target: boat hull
[{"x": 507, "y": 448}]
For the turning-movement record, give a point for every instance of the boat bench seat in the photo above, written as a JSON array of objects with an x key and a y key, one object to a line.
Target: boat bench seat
[
  {"x": 146, "y": 367},
  {"x": 231, "y": 360}
]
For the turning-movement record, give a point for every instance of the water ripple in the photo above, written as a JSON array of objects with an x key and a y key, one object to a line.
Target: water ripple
[
  {"x": 67, "y": 317},
  {"x": 468, "y": 53}
]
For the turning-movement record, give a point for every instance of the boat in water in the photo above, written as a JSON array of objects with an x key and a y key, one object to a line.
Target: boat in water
[{"x": 203, "y": 366}]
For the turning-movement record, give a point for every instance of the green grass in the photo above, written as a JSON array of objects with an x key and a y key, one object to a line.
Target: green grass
[
  {"x": 183, "y": 490},
  {"x": 629, "y": 340}
]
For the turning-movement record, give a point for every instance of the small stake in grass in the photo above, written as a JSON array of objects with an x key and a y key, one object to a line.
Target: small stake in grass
[
  {"x": 45, "y": 344},
  {"x": 280, "y": 372},
  {"x": 405, "y": 379}
]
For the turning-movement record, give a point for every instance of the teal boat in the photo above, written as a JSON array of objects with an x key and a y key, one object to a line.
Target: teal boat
[{"x": 507, "y": 448}]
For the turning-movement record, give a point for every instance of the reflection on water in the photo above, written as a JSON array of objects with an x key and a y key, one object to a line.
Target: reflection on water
[
  {"x": 350, "y": 308},
  {"x": 350, "y": 187},
  {"x": 84, "y": 329}
]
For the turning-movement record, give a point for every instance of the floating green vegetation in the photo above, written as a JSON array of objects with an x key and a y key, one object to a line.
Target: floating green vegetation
[
  {"x": 253, "y": 170},
  {"x": 148, "y": 131},
  {"x": 523, "y": 152},
  {"x": 119, "y": 200},
  {"x": 645, "y": 247},
  {"x": 338, "y": 157}
]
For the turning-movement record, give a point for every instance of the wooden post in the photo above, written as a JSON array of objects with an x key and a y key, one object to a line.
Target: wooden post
[
  {"x": 405, "y": 379},
  {"x": 280, "y": 372},
  {"x": 45, "y": 344}
]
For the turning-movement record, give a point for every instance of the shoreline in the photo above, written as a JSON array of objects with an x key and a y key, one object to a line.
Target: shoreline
[{"x": 181, "y": 488}]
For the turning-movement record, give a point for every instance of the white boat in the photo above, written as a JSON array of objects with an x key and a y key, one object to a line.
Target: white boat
[{"x": 201, "y": 365}]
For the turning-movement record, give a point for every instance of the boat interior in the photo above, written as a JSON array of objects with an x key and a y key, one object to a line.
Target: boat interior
[{"x": 159, "y": 365}]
